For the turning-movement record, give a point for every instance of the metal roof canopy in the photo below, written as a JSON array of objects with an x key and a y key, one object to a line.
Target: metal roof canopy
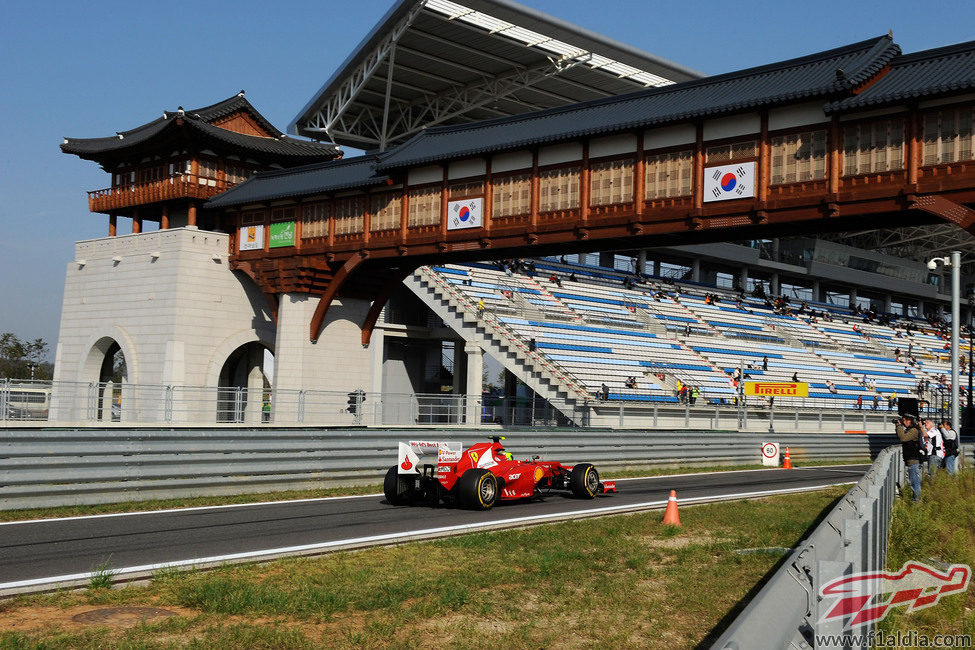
[{"x": 433, "y": 62}]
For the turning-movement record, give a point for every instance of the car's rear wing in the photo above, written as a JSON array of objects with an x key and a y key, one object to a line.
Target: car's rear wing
[{"x": 408, "y": 458}]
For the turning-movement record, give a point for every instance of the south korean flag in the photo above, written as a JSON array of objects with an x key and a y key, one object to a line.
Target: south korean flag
[{"x": 729, "y": 182}]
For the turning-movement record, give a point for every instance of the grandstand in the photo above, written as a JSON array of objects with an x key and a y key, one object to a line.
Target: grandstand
[{"x": 625, "y": 337}]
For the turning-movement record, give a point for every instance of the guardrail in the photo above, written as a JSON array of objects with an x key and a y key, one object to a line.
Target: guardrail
[
  {"x": 788, "y": 612},
  {"x": 49, "y": 467}
]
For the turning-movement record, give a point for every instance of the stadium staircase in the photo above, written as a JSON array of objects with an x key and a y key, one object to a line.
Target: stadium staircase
[{"x": 459, "y": 312}]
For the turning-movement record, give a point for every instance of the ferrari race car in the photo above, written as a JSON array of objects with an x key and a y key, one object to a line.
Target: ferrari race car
[{"x": 481, "y": 475}]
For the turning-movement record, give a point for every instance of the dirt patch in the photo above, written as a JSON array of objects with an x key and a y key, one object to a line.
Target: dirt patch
[
  {"x": 27, "y": 619},
  {"x": 681, "y": 542}
]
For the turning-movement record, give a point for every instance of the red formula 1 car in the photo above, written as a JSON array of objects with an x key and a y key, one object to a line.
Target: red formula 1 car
[{"x": 481, "y": 475}]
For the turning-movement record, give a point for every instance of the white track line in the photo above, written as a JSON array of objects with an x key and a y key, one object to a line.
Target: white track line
[
  {"x": 190, "y": 509},
  {"x": 355, "y": 496},
  {"x": 146, "y": 570}
]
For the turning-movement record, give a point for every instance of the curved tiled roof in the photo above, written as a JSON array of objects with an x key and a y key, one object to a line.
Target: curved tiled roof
[
  {"x": 318, "y": 178},
  {"x": 918, "y": 75},
  {"x": 824, "y": 75},
  {"x": 199, "y": 119}
]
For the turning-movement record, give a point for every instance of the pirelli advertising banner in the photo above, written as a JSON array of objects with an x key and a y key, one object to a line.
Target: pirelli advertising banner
[{"x": 776, "y": 389}]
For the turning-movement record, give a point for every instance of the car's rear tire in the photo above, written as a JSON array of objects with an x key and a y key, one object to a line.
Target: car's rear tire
[
  {"x": 398, "y": 489},
  {"x": 477, "y": 489},
  {"x": 584, "y": 481}
]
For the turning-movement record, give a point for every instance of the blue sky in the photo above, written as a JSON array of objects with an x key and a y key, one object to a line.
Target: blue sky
[{"x": 89, "y": 69}]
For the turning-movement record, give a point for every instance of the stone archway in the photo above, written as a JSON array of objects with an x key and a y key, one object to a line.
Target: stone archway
[
  {"x": 244, "y": 384},
  {"x": 106, "y": 368}
]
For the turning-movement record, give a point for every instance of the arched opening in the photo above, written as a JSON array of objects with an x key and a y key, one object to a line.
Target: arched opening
[
  {"x": 107, "y": 367},
  {"x": 244, "y": 387}
]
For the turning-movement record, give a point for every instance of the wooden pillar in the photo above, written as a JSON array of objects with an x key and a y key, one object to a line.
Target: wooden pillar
[
  {"x": 764, "y": 161},
  {"x": 191, "y": 217},
  {"x": 164, "y": 218},
  {"x": 913, "y": 127},
  {"x": 331, "y": 222},
  {"x": 835, "y": 147},
  {"x": 404, "y": 208},
  {"x": 698, "y": 190},
  {"x": 640, "y": 176},
  {"x": 488, "y": 215},
  {"x": 534, "y": 199},
  {"x": 444, "y": 198},
  {"x": 136, "y": 222},
  {"x": 585, "y": 190},
  {"x": 112, "y": 225}
]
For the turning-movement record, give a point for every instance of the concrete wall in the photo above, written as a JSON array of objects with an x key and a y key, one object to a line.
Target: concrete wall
[
  {"x": 336, "y": 362},
  {"x": 170, "y": 301}
]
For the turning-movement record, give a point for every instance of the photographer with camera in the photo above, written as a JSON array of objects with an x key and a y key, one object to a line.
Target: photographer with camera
[{"x": 913, "y": 445}]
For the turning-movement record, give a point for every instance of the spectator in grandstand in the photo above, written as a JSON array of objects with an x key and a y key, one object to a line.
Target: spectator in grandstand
[
  {"x": 765, "y": 363},
  {"x": 532, "y": 345},
  {"x": 876, "y": 402},
  {"x": 912, "y": 446},
  {"x": 562, "y": 260},
  {"x": 950, "y": 440},
  {"x": 934, "y": 445},
  {"x": 795, "y": 377},
  {"x": 695, "y": 392},
  {"x": 555, "y": 279},
  {"x": 830, "y": 386},
  {"x": 892, "y": 401},
  {"x": 530, "y": 269},
  {"x": 480, "y": 307},
  {"x": 859, "y": 402},
  {"x": 572, "y": 277},
  {"x": 604, "y": 391},
  {"x": 631, "y": 382}
]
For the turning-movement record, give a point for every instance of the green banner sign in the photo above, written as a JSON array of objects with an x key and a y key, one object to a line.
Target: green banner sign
[{"x": 282, "y": 234}]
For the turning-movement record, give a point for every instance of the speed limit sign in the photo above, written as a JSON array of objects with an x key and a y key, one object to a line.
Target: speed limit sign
[{"x": 770, "y": 454}]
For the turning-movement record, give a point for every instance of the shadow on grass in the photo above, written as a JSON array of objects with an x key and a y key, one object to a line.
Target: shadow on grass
[{"x": 738, "y": 607}]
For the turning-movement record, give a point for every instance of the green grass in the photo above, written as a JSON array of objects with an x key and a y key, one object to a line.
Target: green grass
[
  {"x": 191, "y": 502},
  {"x": 939, "y": 529},
  {"x": 623, "y": 581},
  {"x": 101, "y": 575}
]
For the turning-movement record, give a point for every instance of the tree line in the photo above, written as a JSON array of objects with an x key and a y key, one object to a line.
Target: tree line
[{"x": 22, "y": 359}]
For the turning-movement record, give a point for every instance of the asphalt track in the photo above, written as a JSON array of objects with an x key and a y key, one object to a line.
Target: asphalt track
[{"x": 42, "y": 553}]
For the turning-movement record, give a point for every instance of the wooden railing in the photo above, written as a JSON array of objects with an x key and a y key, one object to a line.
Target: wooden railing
[{"x": 188, "y": 186}]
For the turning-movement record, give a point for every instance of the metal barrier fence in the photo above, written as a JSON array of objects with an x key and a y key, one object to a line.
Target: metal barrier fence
[
  {"x": 109, "y": 404},
  {"x": 51, "y": 467},
  {"x": 788, "y": 612}
]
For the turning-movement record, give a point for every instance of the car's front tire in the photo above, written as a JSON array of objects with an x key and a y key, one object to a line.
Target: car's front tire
[
  {"x": 477, "y": 489},
  {"x": 584, "y": 481},
  {"x": 398, "y": 488}
]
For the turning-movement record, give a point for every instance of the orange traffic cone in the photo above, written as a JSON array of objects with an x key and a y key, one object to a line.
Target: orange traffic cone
[
  {"x": 787, "y": 463},
  {"x": 671, "y": 518}
]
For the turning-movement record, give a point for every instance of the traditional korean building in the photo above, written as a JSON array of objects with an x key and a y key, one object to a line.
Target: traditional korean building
[
  {"x": 164, "y": 301},
  {"x": 162, "y": 171}
]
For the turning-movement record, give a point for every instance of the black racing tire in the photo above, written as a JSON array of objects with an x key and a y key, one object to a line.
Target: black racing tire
[
  {"x": 477, "y": 489},
  {"x": 584, "y": 481},
  {"x": 398, "y": 489}
]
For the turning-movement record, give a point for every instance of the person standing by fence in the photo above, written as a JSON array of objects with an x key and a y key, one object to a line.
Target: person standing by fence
[
  {"x": 912, "y": 445},
  {"x": 950, "y": 439}
]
